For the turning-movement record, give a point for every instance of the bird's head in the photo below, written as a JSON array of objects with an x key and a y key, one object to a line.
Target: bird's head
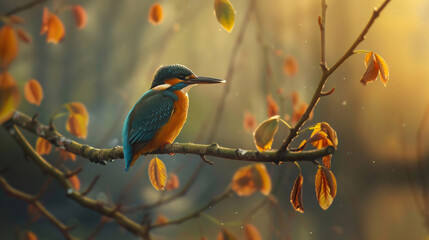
[{"x": 178, "y": 77}]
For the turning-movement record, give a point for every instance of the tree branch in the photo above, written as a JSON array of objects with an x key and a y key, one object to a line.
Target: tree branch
[
  {"x": 15, "y": 193},
  {"x": 24, "y": 7},
  {"x": 327, "y": 72},
  {"x": 103, "y": 155},
  {"x": 71, "y": 193}
]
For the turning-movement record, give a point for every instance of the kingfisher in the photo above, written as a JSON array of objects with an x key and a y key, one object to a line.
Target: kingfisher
[{"x": 160, "y": 113}]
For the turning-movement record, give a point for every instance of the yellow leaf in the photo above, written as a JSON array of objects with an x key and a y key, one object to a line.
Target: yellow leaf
[
  {"x": 157, "y": 174},
  {"x": 326, "y": 187},
  {"x": 264, "y": 177},
  {"x": 225, "y": 14},
  {"x": 296, "y": 194},
  {"x": 155, "y": 14},
  {"x": 8, "y": 46},
  {"x": 9, "y": 96},
  {"x": 251, "y": 232},
  {"x": 264, "y": 133},
  {"x": 43, "y": 146},
  {"x": 384, "y": 69},
  {"x": 76, "y": 125},
  {"x": 33, "y": 92},
  {"x": 331, "y": 134}
]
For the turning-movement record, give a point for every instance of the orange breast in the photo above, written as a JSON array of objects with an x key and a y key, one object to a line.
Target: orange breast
[{"x": 168, "y": 132}]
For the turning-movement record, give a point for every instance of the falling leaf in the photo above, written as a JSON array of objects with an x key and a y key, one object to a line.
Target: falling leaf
[
  {"x": 78, "y": 120},
  {"x": 80, "y": 16},
  {"x": 53, "y": 27},
  {"x": 172, "y": 182},
  {"x": 30, "y": 236},
  {"x": 251, "y": 232},
  {"x": 8, "y": 46},
  {"x": 249, "y": 121},
  {"x": 66, "y": 155},
  {"x": 251, "y": 178},
  {"x": 225, "y": 235},
  {"x": 24, "y": 36},
  {"x": 273, "y": 108},
  {"x": 157, "y": 174},
  {"x": 296, "y": 194},
  {"x": 16, "y": 19},
  {"x": 43, "y": 146},
  {"x": 33, "y": 92},
  {"x": 384, "y": 69},
  {"x": 326, "y": 187},
  {"x": 155, "y": 14},
  {"x": 77, "y": 126},
  {"x": 9, "y": 96},
  {"x": 263, "y": 180},
  {"x": 225, "y": 14},
  {"x": 161, "y": 219},
  {"x": 264, "y": 133},
  {"x": 74, "y": 180},
  {"x": 290, "y": 66}
]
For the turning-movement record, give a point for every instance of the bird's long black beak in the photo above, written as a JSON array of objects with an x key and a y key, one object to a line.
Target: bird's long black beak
[{"x": 205, "y": 80}]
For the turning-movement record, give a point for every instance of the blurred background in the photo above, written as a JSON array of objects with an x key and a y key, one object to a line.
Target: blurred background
[{"x": 108, "y": 65}]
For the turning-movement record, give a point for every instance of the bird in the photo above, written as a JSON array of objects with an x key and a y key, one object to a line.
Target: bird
[{"x": 159, "y": 115}]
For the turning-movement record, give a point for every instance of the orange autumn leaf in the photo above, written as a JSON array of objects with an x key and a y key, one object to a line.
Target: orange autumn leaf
[
  {"x": 371, "y": 72},
  {"x": 77, "y": 126},
  {"x": 67, "y": 155},
  {"x": 30, "y": 236},
  {"x": 172, "y": 182},
  {"x": 80, "y": 16},
  {"x": 327, "y": 161},
  {"x": 157, "y": 174},
  {"x": 326, "y": 128},
  {"x": 161, "y": 219},
  {"x": 24, "y": 36},
  {"x": 155, "y": 14},
  {"x": 8, "y": 46},
  {"x": 273, "y": 108},
  {"x": 251, "y": 232},
  {"x": 74, "y": 180},
  {"x": 249, "y": 179},
  {"x": 263, "y": 180},
  {"x": 33, "y": 92},
  {"x": 9, "y": 96},
  {"x": 384, "y": 69},
  {"x": 226, "y": 235},
  {"x": 290, "y": 66},
  {"x": 265, "y": 132},
  {"x": 249, "y": 121},
  {"x": 78, "y": 120},
  {"x": 53, "y": 27},
  {"x": 296, "y": 194},
  {"x": 43, "y": 146},
  {"x": 326, "y": 187}
]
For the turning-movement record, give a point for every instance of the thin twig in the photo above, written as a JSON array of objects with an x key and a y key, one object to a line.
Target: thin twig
[
  {"x": 197, "y": 213},
  {"x": 91, "y": 185},
  {"x": 327, "y": 73},
  {"x": 24, "y": 7},
  {"x": 15, "y": 193}
]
